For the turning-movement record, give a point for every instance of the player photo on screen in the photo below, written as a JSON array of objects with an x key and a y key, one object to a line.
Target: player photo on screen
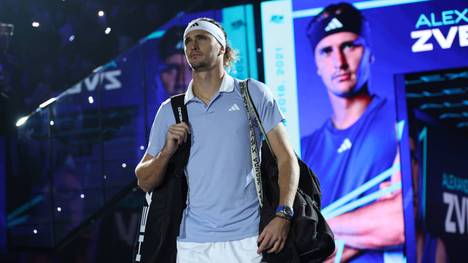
[{"x": 354, "y": 151}]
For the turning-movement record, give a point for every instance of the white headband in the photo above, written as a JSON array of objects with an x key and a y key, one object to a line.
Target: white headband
[{"x": 209, "y": 27}]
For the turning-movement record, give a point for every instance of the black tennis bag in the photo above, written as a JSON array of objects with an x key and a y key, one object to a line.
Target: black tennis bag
[
  {"x": 162, "y": 212},
  {"x": 310, "y": 239}
]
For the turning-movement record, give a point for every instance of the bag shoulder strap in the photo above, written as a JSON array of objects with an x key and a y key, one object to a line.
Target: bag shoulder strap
[
  {"x": 179, "y": 109},
  {"x": 180, "y": 158},
  {"x": 253, "y": 111},
  {"x": 254, "y": 151},
  {"x": 251, "y": 108}
]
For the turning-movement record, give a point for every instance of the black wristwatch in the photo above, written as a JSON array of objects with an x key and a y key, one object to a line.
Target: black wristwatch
[{"x": 285, "y": 212}]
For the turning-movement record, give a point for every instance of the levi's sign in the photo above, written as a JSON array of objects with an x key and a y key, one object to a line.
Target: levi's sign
[{"x": 108, "y": 79}]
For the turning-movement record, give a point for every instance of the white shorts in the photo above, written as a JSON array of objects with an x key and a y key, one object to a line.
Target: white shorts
[{"x": 238, "y": 251}]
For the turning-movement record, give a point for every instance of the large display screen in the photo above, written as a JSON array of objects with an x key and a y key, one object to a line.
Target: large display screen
[
  {"x": 78, "y": 151},
  {"x": 338, "y": 93}
]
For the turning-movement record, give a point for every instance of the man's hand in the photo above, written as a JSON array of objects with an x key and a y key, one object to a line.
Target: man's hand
[
  {"x": 373, "y": 226},
  {"x": 273, "y": 236},
  {"x": 176, "y": 135},
  {"x": 347, "y": 254},
  {"x": 150, "y": 171}
]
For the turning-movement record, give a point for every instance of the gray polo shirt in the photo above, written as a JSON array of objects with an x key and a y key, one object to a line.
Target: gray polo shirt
[{"x": 222, "y": 203}]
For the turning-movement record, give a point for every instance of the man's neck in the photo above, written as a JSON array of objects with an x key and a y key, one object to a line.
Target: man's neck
[
  {"x": 347, "y": 111},
  {"x": 207, "y": 83}
]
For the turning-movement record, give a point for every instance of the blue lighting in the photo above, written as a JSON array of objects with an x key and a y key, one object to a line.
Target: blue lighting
[
  {"x": 339, "y": 250},
  {"x": 462, "y": 125},
  {"x": 36, "y": 200},
  {"x": 423, "y": 137},
  {"x": 444, "y": 92},
  {"x": 154, "y": 35},
  {"x": 400, "y": 128},
  {"x": 450, "y": 115},
  {"x": 358, "y": 5},
  {"x": 17, "y": 221},
  {"x": 443, "y": 105}
]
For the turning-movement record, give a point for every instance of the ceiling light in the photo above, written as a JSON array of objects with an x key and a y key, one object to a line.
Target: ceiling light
[{"x": 21, "y": 121}]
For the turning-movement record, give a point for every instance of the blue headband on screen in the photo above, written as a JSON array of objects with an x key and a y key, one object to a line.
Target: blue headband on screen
[{"x": 355, "y": 23}]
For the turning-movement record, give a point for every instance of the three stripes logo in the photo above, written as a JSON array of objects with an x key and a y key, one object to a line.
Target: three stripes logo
[
  {"x": 234, "y": 107},
  {"x": 333, "y": 24},
  {"x": 345, "y": 145}
]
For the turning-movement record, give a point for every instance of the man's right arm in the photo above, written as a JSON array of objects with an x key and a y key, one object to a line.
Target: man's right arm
[{"x": 151, "y": 169}]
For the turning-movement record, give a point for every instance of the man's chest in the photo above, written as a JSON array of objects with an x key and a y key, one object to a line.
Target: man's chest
[{"x": 225, "y": 118}]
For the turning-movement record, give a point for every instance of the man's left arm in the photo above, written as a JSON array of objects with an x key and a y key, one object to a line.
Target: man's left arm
[
  {"x": 273, "y": 236},
  {"x": 374, "y": 226}
]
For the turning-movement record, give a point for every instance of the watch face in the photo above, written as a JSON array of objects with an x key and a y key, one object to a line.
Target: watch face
[{"x": 288, "y": 211}]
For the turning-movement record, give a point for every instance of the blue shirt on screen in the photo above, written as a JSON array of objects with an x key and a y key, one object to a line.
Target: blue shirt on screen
[
  {"x": 346, "y": 159},
  {"x": 222, "y": 203}
]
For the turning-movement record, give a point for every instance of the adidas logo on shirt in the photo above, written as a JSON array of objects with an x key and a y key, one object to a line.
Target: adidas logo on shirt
[
  {"x": 234, "y": 107},
  {"x": 345, "y": 145},
  {"x": 333, "y": 24}
]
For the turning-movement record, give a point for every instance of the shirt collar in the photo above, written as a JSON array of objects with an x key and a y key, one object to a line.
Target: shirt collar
[{"x": 227, "y": 85}]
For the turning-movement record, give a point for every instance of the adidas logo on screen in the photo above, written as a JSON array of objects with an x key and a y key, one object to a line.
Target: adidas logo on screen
[
  {"x": 333, "y": 24},
  {"x": 346, "y": 145}
]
